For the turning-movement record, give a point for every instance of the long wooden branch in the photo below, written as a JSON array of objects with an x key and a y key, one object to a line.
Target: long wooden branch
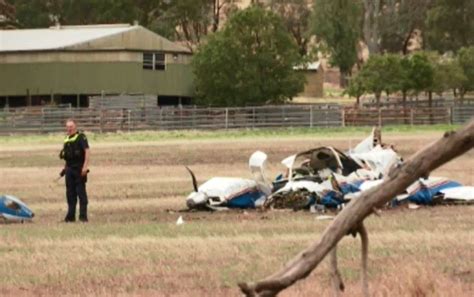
[
  {"x": 337, "y": 283},
  {"x": 451, "y": 145}
]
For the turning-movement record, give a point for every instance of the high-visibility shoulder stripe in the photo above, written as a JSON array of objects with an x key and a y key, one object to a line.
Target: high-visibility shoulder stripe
[{"x": 71, "y": 139}]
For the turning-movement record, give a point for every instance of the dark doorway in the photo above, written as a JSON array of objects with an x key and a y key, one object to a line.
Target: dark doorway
[
  {"x": 74, "y": 100},
  {"x": 173, "y": 101}
]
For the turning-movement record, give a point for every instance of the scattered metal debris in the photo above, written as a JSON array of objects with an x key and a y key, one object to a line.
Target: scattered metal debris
[
  {"x": 220, "y": 193},
  {"x": 13, "y": 209},
  {"x": 323, "y": 178}
]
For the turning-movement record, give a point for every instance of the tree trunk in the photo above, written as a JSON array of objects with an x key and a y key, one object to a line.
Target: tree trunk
[
  {"x": 344, "y": 78},
  {"x": 462, "y": 92},
  {"x": 377, "y": 98},
  {"x": 216, "y": 14},
  {"x": 406, "y": 42},
  {"x": 370, "y": 28},
  {"x": 450, "y": 146}
]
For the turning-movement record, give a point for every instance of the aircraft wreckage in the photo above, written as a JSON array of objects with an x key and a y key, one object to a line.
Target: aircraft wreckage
[
  {"x": 13, "y": 209},
  {"x": 322, "y": 178}
]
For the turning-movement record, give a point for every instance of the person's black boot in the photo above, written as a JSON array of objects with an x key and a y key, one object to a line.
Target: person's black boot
[
  {"x": 69, "y": 219},
  {"x": 83, "y": 212}
]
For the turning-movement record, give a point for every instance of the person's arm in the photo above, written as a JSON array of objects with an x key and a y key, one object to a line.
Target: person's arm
[{"x": 85, "y": 166}]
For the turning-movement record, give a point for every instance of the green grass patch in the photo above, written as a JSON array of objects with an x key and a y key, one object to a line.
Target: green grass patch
[{"x": 155, "y": 136}]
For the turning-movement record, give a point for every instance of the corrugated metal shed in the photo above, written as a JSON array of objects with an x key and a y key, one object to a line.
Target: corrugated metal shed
[{"x": 64, "y": 64}]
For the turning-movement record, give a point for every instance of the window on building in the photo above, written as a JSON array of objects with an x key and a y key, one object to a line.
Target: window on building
[
  {"x": 148, "y": 61},
  {"x": 160, "y": 61},
  {"x": 154, "y": 61}
]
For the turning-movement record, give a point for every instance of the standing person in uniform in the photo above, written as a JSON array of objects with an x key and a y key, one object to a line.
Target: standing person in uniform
[{"x": 76, "y": 155}]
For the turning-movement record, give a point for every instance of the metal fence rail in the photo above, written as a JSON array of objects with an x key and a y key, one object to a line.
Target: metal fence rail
[
  {"x": 397, "y": 116},
  {"x": 397, "y": 102},
  {"x": 46, "y": 120},
  {"x": 462, "y": 113}
]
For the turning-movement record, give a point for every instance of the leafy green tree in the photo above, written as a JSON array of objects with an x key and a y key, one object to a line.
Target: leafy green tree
[
  {"x": 43, "y": 13},
  {"x": 382, "y": 73},
  {"x": 417, "y": 73},
  {"x": 394, "y": 74},
  {"x": 466, "y": 61},
  {"x": 73, "y": 12},
  {"x": 33, "y": 13},
  {"x": 336, "y": 23},
  {"x": 7, "y": 15},
  {"x": 450, "y": 25},
  {"x": 406, "y": 82},
  {"x": 192, "y": 20},
  {"x": 398, "y": 22},
  {"x": 296, "y": 16},
  {"x": 370, "y": 24},
  {"x": 147, "y": 12},
  {"x": 249, "y": 62},
  {"x": 448, "y": 75},
  {"x": 356, "y": 88},
  {"x": 422, "y": 72},
  {"x": 372, "y": 76}
]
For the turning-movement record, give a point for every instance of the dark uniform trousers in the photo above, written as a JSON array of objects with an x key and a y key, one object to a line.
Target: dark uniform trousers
[{"x": 76, "y": 187}]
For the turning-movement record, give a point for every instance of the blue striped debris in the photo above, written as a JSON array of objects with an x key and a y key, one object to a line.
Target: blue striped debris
[{"x": 13, "y": 209}]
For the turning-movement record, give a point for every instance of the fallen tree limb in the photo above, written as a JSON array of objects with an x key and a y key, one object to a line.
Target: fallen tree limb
[{"x": 450, "y": 146}]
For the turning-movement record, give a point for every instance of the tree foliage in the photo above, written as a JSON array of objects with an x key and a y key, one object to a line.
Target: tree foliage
[
  {"x": 192, "y": 20},
  {"x": 466, "y": 62},
  {"x": 412, "y": 74},
  {"x": 422, "y": 72},
  {"x": 7, "y": 15},
  {"x": 296, "y": 17},
  {"x": 32, "y": 13},
  {"x": 450, "y": 25},
  {"x": 337, "y": 24},
  {"x": 43, "y": 13},
  {"x": 370, "y": 23},
  {"x": 399, "y": 22},
  {"x": 448, "y": 74},
  {"x": 249, "y": 62},
  {"x": 375, "y": 77},
  {"x": 356, "y": 88}
]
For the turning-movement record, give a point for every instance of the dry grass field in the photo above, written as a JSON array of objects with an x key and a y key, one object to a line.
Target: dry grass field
[{"x": 132, "y": 246}]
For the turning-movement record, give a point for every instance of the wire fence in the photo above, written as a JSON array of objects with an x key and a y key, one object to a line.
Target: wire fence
[{"x": 51, "y": 119}]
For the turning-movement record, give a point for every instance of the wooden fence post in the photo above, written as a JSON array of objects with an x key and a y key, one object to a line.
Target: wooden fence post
[
  {"x": 311, "y": 116},
  {"x": 226, "y": 118},
  {"x": 181, "y": 116},
  {"x": 412, "y": 117},
  {"x": 380, "y": 117},
  {"x": 101, "y": 119},
  {"x": 161, "y": 119},
  {"x": 450, "y": 115},
  {"x": 343, "y": 117},
  {"x": 42, "y": 120},
  {"x": 253, "y": 117}
]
